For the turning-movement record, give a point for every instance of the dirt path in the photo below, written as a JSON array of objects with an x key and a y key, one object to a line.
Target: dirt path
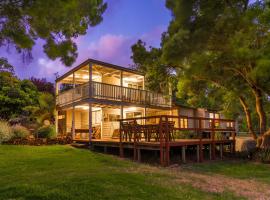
[{"x": 250, "y": 189}]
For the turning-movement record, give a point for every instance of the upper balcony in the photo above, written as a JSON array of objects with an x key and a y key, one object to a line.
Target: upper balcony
[
  {"x": 103, "y": 81},
  {"x": 110, "y": 92}
]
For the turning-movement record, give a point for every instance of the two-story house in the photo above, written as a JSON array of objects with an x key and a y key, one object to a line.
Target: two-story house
[{"x": 95, "y": 94}]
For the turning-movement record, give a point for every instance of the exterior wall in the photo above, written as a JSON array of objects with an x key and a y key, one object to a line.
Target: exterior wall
[
  {"x": 111, "y": 80},
  {"x": 189, "y": 112},
  {"x": 108, "y": 126}
]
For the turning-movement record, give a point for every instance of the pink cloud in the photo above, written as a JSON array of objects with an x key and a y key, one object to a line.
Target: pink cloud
[{"x": 112, "y": 48}]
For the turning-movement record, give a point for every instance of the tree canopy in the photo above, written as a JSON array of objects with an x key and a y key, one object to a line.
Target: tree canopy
[
  {"x": 220, "y": 51},
  {"x": 23, "y": 22}
]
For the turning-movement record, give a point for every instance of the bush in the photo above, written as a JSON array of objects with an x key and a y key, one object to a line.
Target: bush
[
  {"x": 263, "y": 155},
  {"x": 20, "y": 131},
  {"x": 46, "y": 132},
  {"x": 6, "y": 132},
  {"x": 184, "y": 134}
]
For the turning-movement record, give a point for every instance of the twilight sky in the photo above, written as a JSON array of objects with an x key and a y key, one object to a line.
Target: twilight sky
[{"x": 124, "y": 22}]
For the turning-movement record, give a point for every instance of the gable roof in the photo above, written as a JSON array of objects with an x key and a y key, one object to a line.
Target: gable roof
[{"x": 98, "y": 62}]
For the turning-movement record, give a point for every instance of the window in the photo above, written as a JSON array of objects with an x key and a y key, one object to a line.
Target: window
[
  {"x": 214, "y": 116},
  {"x": 183, "y": 123},
  {"x": 229, "y": 124}
]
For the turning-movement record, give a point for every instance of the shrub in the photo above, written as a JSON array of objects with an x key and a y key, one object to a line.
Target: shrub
[
  {"x": 263, "y": 155},
  {"x": 46, "y": 132},
  {"x": 20, "y": 131},
  {"x": 184, "y": 134},
  {"x": 6, "y": 132}
]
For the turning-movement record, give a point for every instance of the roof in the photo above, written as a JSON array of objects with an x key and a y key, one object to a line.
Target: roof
[{"x": 98, "y": 62}]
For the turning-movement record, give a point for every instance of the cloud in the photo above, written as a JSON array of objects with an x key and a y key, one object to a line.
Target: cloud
[
  {"x": 112, "y": 48},
  {"x": 48, "y": 68}
]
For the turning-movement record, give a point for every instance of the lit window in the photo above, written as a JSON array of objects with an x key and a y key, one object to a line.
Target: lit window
[{"x": 183, "y": 123}]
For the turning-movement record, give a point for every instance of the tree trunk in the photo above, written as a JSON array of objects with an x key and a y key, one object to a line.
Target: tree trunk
[
  {"x": 248, "y": 117},
  {"x": 259, "y": 108}
]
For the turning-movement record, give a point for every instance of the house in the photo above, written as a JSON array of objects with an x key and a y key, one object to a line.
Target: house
[{"x": 93, "y": 96}]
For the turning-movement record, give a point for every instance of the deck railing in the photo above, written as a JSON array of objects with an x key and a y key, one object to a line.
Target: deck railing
[
  {"x": 113, "y": 92},
  {"x": 162, "y": 129}
]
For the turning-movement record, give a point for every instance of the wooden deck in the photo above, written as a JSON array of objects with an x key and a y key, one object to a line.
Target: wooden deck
[
  {"x": 161, "y": 137},
  {"x": 201, "y": 145}
]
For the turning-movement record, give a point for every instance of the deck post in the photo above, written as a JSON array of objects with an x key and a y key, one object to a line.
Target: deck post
[
  {"x": 90, "y": 106},
  {"x": 213, "y": 140},
  {"x": 201, "y": 144},
  {"x": 73, "y": 122},
  {"x": 161, "y": 142},
  {"x": 210, "y": 151},
  {"x": 221, "y": 150},
  {"x": 184, "y": 154},
  {"x": 198, "y": 153},
  {"x": 121, "y": 149},
  {"x": 73, "y": 107},
  {"x": 90, "y": 125},
  {"x": 139, "y": 155},
  {"x": 167, "y": 145}
]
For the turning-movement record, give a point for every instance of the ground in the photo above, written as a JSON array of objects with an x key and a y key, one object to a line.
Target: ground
[{"x": 64, "y": 172}]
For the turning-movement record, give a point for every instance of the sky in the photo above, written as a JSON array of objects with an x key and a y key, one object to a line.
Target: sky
[{"x": 124, "y": 22}]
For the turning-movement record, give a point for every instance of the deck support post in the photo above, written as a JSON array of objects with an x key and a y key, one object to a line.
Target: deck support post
[
  {"x": 213, "y": 148},
  {"x": 198, "y": 153},
  {"x": 210, "y": 152},
  {"x": 73, "y": 122},
  {"x": 90, "y": 125},
  {"x": 139, "y": 155},
  {"x": 105, "y": 149},
  {"x": 184, "y": 154},
  {"x": 221, "y": 151}
]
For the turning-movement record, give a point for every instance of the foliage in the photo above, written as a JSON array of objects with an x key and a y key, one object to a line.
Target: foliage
[
  {"x": 6, "y": 132},
  {"x": 5, "y": 66},
  {"x": 15, "y": 95},
  {"x": 158, "y": 76},
  {"x": 185, "y": 134},
  {"x": 43, "y": 85},
  {"x": 46, "y": 132},
  {"x": 23, "y": 22},
  {"x": 263, "y": 155},
  {"x": 219, "y": 52},
  {"x": 20, "y": 131},
  {"x": 45, "y": 109}
]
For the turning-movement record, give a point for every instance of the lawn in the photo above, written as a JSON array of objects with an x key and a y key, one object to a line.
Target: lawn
[
  {"x": 63, "y": 172},
  {"x": 235, "y": 169}
]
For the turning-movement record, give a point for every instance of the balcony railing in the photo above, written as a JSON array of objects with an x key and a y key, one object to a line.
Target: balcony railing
[{"x": 113, "y": 92}]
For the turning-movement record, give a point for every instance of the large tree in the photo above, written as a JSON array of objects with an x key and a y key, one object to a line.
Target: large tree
[
  {"x": 57, "y": 22},
  {"x": 227, "y": 38}
]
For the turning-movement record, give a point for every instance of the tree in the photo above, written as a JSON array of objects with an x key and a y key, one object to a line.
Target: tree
[
  {"x": 43, "y": 85},
  {"x": 221, "y": 39},
  {"x": 5, "y": 66},
  {"x": 15, "y": 95},
  {"x": 22, "y": 22},
  {"x": 157, "y": 75}
]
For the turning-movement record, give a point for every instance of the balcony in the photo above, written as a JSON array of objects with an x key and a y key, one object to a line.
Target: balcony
[{"x": 105, "y": 91}]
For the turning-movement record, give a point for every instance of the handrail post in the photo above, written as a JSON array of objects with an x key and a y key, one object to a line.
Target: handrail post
[
  {"x": 121, "y": 143},
  {"x": 167, "y": 146},
  {"x": 161, "y": 142},
  {"x": 213, "y": 139},
  {"x": 201, "y": 144}
]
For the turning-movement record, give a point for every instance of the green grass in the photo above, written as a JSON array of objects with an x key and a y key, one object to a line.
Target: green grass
[
  {"x": 235, "y": 169},
  {"x": 63, "y": 172}
]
